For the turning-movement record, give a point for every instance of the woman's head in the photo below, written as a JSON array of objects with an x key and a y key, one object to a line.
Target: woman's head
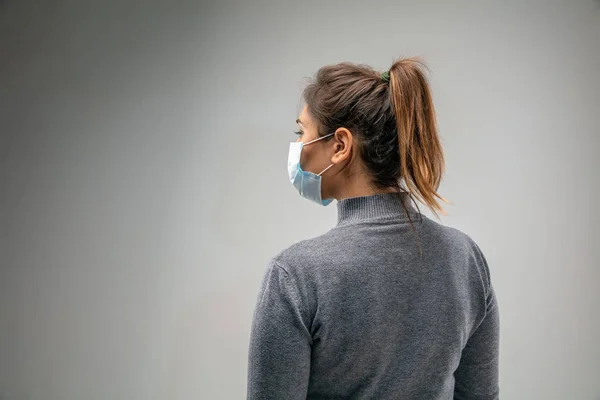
[{"x": 385, "y": 132}]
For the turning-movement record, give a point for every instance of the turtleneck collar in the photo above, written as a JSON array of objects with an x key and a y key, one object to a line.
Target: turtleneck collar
[{"x": 375, "y": 207}]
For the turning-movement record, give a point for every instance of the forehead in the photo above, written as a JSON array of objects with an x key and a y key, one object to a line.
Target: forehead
[{"x": 304, "y": 118}]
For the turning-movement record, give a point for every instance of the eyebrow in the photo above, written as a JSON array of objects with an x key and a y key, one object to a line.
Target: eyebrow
[{"x": 299, "y": 122}]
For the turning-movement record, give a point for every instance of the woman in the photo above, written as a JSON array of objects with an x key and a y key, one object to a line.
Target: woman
[{"x": 388, "y": 304}]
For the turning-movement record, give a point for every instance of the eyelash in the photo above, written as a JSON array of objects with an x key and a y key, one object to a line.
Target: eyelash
[{"x": 299, "y": 133}]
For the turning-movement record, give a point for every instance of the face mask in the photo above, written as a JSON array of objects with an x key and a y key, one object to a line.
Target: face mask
[{"x": 307, "y": 183}]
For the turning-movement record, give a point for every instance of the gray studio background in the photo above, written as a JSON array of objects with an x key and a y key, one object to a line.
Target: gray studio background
[{"x": 143, "y": 154}]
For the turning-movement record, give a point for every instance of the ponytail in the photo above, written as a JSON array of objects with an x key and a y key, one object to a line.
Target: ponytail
[{"x": 421, "y": 155}]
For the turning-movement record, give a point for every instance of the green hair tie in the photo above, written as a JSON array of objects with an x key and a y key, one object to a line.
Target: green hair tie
[{"x": 386, "y": 76}]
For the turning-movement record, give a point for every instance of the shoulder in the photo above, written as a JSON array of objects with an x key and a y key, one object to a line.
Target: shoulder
[
  {"x": 461, "y": 244},
  {"x": 302, "y": 255},
  {"x": 297, "y": 267},
  {"x": 443, "y": 234}
]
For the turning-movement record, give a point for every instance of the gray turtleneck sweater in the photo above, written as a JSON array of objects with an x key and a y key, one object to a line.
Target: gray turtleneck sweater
[{"x": 370, "y": 310}]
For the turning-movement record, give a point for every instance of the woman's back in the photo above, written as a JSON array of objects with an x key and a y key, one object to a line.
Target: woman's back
[
  {"x": 369, "y": 311},
  {"x": 388, "y": 304}
]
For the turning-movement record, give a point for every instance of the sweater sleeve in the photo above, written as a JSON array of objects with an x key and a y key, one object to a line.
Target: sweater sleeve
[
  {"x": 280, "y": 342},
  {"x": 477, "y": 374}
]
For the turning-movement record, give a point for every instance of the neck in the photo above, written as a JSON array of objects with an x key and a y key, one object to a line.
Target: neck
[
  {"x": 381, "y": 206},
  {"x": 358, "y": 188}
]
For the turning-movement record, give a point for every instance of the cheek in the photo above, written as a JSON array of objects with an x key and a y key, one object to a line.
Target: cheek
[
  {"x": 307, "y": 158},
  {"x": 309, "y": 136},
  {"x": 304, "y": 156},
  {"x": 312, "y": 158}
]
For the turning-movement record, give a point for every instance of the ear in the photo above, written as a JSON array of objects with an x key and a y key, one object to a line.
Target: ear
[{"x": 342, "y": 145}]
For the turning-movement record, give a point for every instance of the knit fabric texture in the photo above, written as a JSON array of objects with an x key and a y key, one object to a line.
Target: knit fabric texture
[{"x": 375, "y": 309}]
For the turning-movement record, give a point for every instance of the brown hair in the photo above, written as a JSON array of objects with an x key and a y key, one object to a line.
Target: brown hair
[{"x": 394, "y": 123}]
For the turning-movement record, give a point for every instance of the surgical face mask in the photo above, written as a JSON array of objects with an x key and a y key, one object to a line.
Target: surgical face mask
[{"x": 307, "y": 183}]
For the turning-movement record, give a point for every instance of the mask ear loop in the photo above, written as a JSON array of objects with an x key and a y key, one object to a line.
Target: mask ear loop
[
  {"x": 325, "y": 169},
  {"x": 317, "y": 139}
]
